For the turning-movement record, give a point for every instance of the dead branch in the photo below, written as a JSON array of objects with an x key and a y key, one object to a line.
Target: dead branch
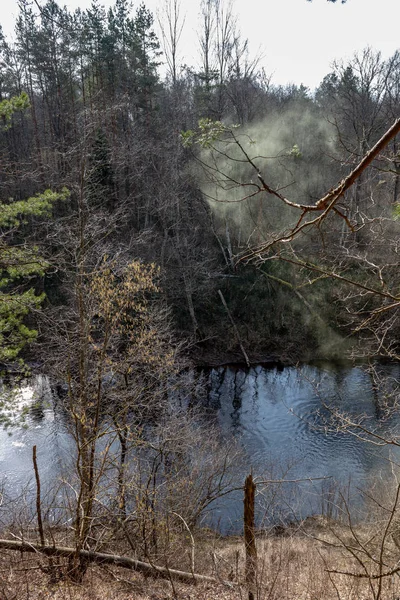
[
  {"x": 38, "y": 500},
  {"x": 246, "y": 358},
  {"x": 109, "y": 559}
]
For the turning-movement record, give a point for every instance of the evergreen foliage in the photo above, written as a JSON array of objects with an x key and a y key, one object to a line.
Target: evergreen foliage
[
  {"x": 9, "y": 107},
  {"x": 20, "y": 265}
]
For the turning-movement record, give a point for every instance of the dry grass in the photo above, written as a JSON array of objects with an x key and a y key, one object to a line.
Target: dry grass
[
  {"x": 24, "y": 578},
  {"x": 292, "y": 566}
]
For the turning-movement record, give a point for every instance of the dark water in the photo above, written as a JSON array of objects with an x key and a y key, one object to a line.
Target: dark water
[
  {"x": 282, "y": 421},
  {"x": 279, "y": 418}
]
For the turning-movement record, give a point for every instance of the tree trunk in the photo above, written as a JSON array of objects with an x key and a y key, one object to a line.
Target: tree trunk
[{"x": 249, "y": 536}]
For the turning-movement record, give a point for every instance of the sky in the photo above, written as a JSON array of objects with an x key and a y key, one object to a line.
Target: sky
[{"x": 298, "y": 40}]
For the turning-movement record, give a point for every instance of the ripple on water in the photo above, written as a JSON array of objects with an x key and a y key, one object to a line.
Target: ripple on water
[
  {"x": 282, "y": 417},
  {"x": 279, "y": 416}
]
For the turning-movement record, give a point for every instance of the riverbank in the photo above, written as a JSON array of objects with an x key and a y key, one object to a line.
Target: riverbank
[
  {"x": 302, "y": 562},
  {"x": 273, "y": 412},
  {"x": 212, "y": 357}
]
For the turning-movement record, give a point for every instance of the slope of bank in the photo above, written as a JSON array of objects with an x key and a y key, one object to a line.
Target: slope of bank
[{"x": 316, "y": 559}]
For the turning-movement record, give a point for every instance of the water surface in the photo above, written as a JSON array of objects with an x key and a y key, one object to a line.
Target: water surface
[{"x": 280, "y": 419}]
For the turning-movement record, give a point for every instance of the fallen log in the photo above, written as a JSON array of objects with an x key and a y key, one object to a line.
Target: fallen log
[{"x": 110, "y": 559}]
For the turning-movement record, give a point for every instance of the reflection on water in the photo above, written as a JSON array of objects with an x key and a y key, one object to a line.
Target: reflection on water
[
  {"x": 279, "y": 416},
  {"x": 44, "y": 427}
]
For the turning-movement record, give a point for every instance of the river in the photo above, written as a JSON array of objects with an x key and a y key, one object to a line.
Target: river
[
  {"x": 282, "y": 420},
  {"x": 279, "y": 418}
]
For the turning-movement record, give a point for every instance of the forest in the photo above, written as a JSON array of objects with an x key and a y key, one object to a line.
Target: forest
[
  {"x": 96, "y": 121},
  {"x": 158, "y": 219}
]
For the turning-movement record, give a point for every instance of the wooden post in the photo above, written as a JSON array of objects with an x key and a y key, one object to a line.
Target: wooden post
[{"x": 249, "y": 536}]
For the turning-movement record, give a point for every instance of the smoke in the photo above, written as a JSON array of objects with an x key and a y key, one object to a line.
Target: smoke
[{"x": 292, "y": 150}]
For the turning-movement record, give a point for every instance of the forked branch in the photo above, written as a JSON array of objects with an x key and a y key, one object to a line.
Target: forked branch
[{"x": 325, "y": 204}]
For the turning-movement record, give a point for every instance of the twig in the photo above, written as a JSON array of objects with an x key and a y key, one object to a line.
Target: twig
[{"x": 191, "y": 540}]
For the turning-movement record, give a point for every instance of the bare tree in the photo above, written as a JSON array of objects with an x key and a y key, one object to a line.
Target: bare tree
[{"x": 171, "y": 24}]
